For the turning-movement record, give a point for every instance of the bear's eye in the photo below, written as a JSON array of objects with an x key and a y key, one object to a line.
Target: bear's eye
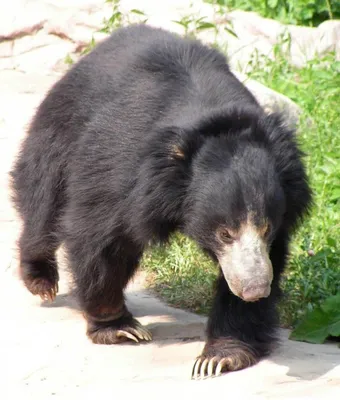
[{"x": 225, "y": 236}]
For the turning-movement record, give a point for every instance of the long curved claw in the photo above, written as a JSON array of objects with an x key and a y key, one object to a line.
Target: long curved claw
[
  {"x": 142, "y": 332},
  {"x": 211, "y": 366},
  {"x": 220, "y": 366},
  {"x": 196, "y": 367},
  {"x": 146, "y": 334},
  {"x": 204, "y": 367},
  {"x": 48, "y": 294},
  {"x": 137, "y": 333},
  {"x": 128, "y": 335}
]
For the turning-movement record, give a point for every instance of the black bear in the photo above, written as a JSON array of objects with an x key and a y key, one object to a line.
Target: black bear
[{"x": 148, "y": 134}]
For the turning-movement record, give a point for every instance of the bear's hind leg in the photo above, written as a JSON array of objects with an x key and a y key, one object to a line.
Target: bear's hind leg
[{"x": 100, "y": 276}]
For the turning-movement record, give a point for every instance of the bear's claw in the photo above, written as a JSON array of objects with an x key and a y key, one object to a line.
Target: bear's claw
[
  {"x": 136, "y": 334},
  {"x": 50, "y": 294},
  {"x": 223, "y": 356},
  {"x": 205, "y": 367},
  {"x": 44, "y": 288},
  {"x": 118, "y": 332}
]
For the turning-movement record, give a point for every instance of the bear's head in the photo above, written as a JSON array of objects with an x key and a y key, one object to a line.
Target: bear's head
[
  {"x": 237, "y": 208},
  {"x": 247, "y": 184}
]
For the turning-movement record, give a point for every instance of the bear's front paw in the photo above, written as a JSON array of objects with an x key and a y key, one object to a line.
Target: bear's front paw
[
  {"x": 40, "y": 278},
  {"x": 223, "y": 355}
]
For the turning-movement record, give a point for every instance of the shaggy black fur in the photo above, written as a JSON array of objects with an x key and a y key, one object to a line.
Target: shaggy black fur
[{"x": 148, "y": 134}]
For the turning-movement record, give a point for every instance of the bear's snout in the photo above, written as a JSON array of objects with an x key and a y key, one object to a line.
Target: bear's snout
[{"x": 246, "y": 265}]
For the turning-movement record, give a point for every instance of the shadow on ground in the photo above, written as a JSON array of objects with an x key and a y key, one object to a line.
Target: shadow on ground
[{"x": 172, "y": 326}]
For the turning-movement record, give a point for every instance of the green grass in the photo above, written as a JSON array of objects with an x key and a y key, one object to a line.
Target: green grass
[
  {"x": 184, "y": 277},
  {"x": 181, "y": 274}
]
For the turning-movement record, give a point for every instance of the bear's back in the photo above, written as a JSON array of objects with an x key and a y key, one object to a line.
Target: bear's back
[
  {"x": 183, "y": 68},
  {"x": 138, "y": 78},
  {"x": 141, "y": 66}
]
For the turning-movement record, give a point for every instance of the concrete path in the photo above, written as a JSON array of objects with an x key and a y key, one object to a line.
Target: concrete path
[{"x": 44, "y": 352}]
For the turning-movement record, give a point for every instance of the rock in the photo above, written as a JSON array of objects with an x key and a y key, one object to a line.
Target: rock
[
  {"x": 80, "y": 25},
  {"x": 75, "y": 31},
  {"x": 78, "y": 21},
  {"x": 38, "y": 52},
  {"x": 6, "y": 49},
  {"x": 257, "y": 36},
  {"x": 41, "y": 34},
  {"x": 21, "y": 17},
  {"x": 329, "y": 37}
]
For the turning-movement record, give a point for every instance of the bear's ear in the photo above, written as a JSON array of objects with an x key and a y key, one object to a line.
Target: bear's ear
[{"x": 181, "y": 144}]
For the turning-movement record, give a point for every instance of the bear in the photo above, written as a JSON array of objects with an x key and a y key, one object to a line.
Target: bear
[{"x": 148, "y": 134}]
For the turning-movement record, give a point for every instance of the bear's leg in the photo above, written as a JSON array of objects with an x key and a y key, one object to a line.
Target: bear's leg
[
  {"x": 100, "y": 276},
  {"x": 38, "y": 266},
  {"x": 38, "y": 196},
  {"x": 240, "y": 333}
]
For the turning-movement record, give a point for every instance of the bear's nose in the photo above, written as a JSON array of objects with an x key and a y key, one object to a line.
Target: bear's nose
[{"x": 256, "y": 292}]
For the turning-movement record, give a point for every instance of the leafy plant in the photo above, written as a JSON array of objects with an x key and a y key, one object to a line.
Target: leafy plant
[
  {"x": 117, "y": 19},
  {"x": 89, "y": 47},
  {"x": 192, "y": 25},
  {"x": 68, "y": 60},
  {"x": 319, "y": 324}
]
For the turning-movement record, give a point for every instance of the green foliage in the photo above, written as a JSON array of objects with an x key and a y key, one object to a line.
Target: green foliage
[
  {"x": 184, "y": 278},
  {"x": 117, "y": 19},
  {"x": 319, "y": 324},
  {"x": 193, "y": 24},
  {"x": 89, "y": 47},
  {"x": 68, "y": 60},
  {"x": 298, "y": 12}
]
